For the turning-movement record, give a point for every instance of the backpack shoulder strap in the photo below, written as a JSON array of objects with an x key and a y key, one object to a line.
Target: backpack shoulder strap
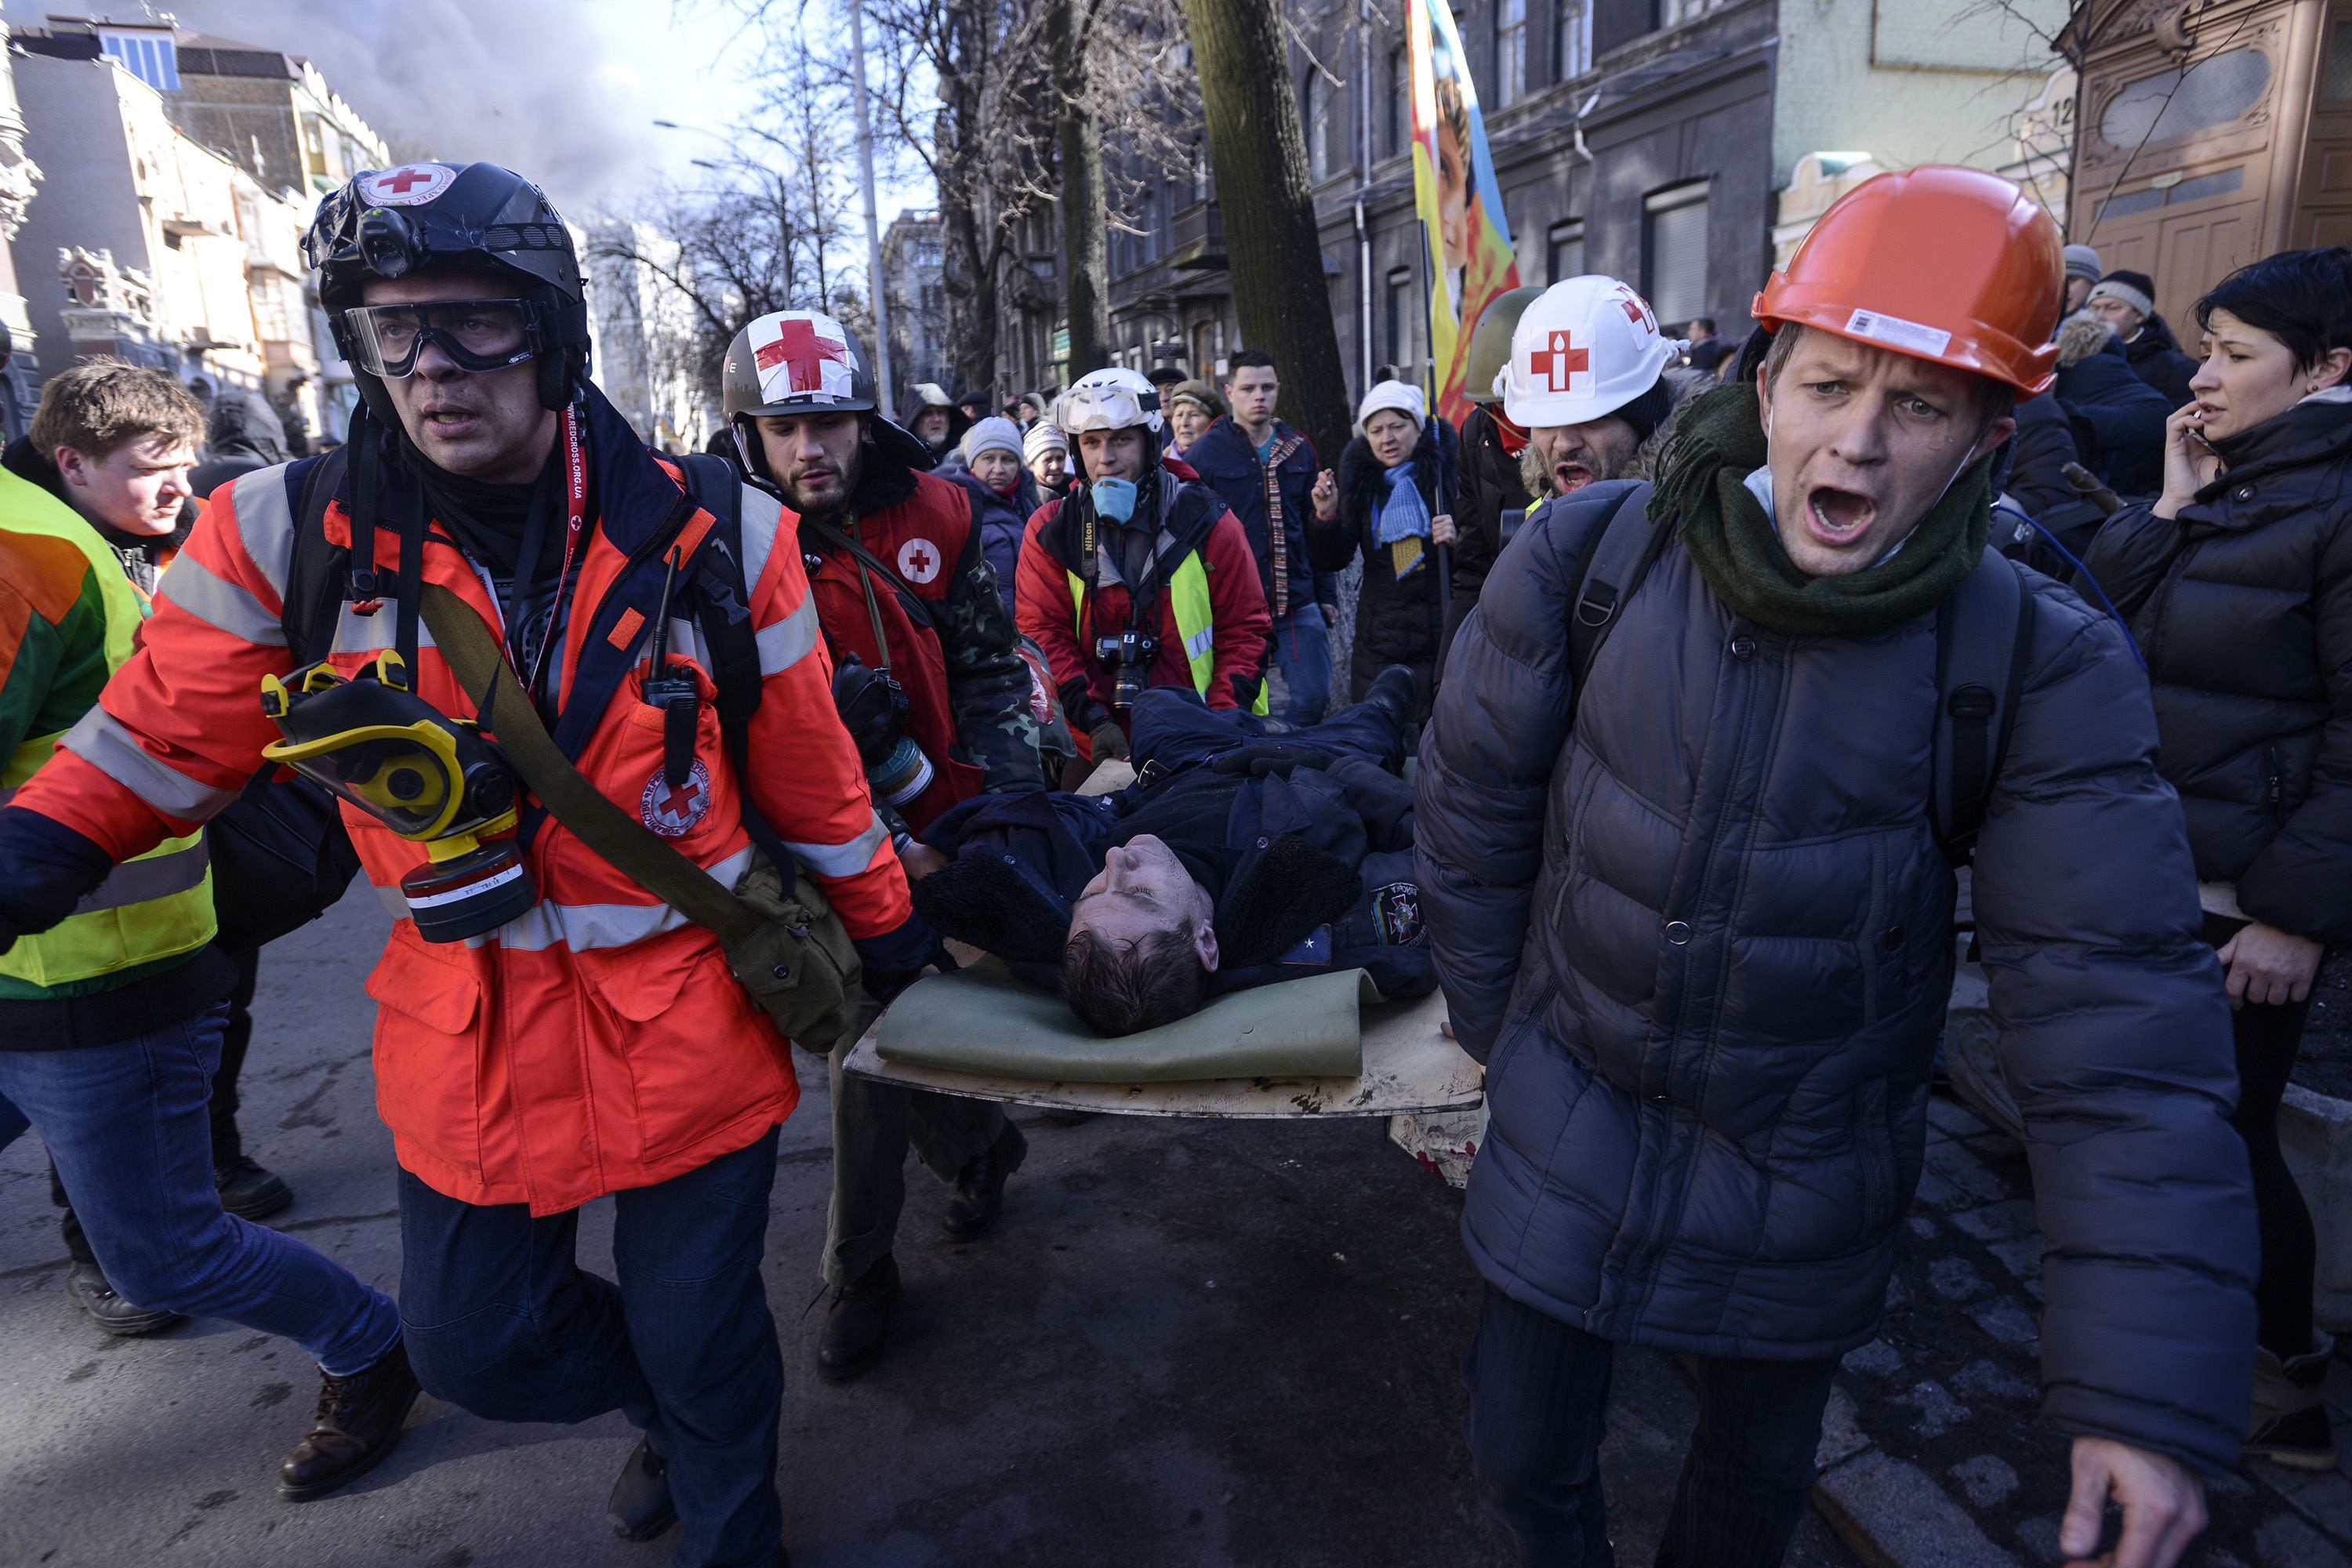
[
  {"x": 315, "y": 572},
  {"x": 722, "y": 601},
  {"x": 1984, "y": 633},
  {"x": 1617, "y": 555}
]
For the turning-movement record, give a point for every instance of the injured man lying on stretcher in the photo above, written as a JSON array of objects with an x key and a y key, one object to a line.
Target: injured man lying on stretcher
[{"x": 1236, "y": 858}]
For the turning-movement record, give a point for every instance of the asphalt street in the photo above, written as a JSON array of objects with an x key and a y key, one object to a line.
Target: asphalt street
[{"x": 1187, "y": 1342}]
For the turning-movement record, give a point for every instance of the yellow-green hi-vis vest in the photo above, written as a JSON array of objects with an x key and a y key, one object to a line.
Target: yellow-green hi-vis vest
[
  {"x": 1196, "y": 622},
  {"x": 156, "y": 907}
]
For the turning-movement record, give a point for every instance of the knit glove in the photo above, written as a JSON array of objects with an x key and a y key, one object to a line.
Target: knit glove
[{"x": 1109, "y": 741}]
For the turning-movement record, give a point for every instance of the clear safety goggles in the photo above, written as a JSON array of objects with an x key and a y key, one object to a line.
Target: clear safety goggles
[
  {"x": 476, "y": 334},
  {"x": 1086, "y": 408}
]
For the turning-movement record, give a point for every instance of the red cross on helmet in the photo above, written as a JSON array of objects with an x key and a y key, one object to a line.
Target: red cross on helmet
[
  {"x": 795, "y": 362},
  {"x": 1584, "y": 348}
]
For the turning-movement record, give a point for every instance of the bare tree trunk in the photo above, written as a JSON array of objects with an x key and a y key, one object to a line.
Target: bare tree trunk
[
  {"x": 1085, "y": 222},
  {"x": 1275, "y": 257}
]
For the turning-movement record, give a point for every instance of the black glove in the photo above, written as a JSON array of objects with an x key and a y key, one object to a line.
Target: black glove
[{"x": 1109, "y": 741}]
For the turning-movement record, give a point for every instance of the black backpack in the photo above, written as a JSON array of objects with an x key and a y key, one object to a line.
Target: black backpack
[
  {"x": 280, "y": 856},
  {"x": 1982, "y": 633}
]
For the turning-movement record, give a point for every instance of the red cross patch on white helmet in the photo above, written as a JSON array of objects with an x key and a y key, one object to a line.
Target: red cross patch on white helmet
[
  {"x": 918, "y": 561},
  {"x": 410, "y": 185},
  {"x": 800, "y": 351}
]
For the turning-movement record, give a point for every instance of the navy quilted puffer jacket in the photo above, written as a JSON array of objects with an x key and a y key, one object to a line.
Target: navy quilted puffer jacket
[{"x": 1704, "y": 941}]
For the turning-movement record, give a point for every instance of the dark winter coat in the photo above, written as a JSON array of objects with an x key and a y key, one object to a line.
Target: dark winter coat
[
  {"x": 2039, "y": 453},
  {"x": 1488, "y": 506},
  {"x": 2118, "y": 418},
  {"x": 1396, "y": 623},
  {"x": 1227, "y": 463},
  {"x": 1309, "y": 861},
  {"x": 2243, "y": 609},
  {"x": 1704, "y": 940},
  {"x": 1002, "y": 520},
  {"x": 2156, "y": 358},
  {"x": 242, "y": 432}
]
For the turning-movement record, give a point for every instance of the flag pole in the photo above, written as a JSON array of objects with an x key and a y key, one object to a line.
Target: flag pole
[{"x": 876, "y": 283}]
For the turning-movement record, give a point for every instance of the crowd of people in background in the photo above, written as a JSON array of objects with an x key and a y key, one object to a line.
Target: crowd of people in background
[{"x": 1664, "y": 614}]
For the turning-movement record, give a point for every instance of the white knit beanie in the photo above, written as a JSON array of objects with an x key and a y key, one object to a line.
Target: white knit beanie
[
  {"x": 1043, "y": 438},
  {"x": 1402, "y": 396}
]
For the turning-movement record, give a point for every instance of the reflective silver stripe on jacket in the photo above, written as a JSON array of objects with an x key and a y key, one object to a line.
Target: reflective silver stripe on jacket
[
  {"x": 217, "y": 602},
  {"x": 156, "y": 877},
  {"x": 583, "y": 927},
  {"x": 841, "y": 859},
  {"x": 265, "y": 523},
  {"x": 787, "y": 642},
  {"x": 99, "y": 740},
  {"x": 763, "y": 518}
]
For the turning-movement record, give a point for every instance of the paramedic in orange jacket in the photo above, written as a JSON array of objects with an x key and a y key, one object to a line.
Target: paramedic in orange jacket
[{"x": 595, "y": 1041}]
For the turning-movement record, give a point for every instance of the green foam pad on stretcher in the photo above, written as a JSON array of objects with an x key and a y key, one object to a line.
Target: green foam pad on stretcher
[{"x": 983, "y": 1020}]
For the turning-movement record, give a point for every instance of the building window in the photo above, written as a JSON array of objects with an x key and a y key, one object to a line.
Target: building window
[
  {"x": 1200, "y": 171},
  {"x": 1317, "y": 97},
  {"x": 153, "y": 57},
  {"x": 1575, "y": 38},
  {"x": 1511, "y": 51},
  {"x": 1672, "y": 13},
  {"x": 2213, "y": 91},
  {"x": 1151, "y": 224},
  {"x": 1400, "y": 100},
  {"x": 1564, "y": 252},
  {"x": 1399, "y": 323},
  {"x": 1673, "y": 261}
]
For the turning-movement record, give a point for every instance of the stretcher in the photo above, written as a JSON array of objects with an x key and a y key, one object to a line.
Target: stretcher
[{"x": 1406, "y": 1066}]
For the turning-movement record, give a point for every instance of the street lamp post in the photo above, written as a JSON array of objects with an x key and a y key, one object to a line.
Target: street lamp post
[{"x": 878, "y": 285}]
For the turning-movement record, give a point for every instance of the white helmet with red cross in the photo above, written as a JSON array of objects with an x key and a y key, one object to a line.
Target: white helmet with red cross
[
  {"x": 795, "y": 362},
  {"x": 1584, "y": 347}
]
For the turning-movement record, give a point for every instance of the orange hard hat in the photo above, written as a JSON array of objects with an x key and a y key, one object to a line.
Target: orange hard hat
[{"x": 1939, "y": 262}]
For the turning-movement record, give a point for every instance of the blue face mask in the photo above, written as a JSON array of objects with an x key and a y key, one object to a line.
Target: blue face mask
[{"x": 1114, "y": 499}]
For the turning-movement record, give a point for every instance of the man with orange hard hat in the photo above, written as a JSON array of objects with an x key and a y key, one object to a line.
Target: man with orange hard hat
[{"x": 1707, "y": 754}]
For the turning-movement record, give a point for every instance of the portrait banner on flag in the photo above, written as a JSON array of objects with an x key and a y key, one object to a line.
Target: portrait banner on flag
[{"x": 1455, "y": 194}]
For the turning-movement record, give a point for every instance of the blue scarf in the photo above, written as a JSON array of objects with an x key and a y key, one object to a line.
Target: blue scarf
[{"x": 1403, "y": 514}]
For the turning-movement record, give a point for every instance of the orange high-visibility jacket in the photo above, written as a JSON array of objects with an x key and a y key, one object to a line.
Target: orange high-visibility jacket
[{"x": 598, "y": 1042}]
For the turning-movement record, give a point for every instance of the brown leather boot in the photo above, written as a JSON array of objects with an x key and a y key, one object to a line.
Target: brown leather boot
[
  {"x": 2289, "y": 1424},
  {"x": 357, "y": 1423}
]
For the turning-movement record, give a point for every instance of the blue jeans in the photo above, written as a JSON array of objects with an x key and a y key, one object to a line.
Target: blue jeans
[
  {"x": 1302, "y": 651},
  {"x": 1538, "y": 1397},
  {"x": 128, "y": 1127},
  {"x": 503, "y": 1322}
]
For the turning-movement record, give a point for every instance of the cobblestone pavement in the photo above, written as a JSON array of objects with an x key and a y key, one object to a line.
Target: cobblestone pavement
[{"x": 1934, "y": 1456}]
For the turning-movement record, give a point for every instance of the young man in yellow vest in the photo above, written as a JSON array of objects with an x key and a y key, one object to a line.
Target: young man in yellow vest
[
  {"x": 111, "y": 1021},
  {"x": 1141, "y": 576}
]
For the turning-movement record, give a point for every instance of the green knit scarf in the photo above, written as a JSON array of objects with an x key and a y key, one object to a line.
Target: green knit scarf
[{"x": 1718, "y": 441}]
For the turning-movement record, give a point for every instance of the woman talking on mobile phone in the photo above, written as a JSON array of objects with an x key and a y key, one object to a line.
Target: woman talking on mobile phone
[{"x": 2237, "y": 583}]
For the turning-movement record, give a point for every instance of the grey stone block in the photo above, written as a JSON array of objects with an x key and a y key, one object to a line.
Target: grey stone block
[
  {"x": 1891, "y": 1513},
  {"x": 1878, "y": 1358},
  {"x": 2006, "y": 1221},
  {"x": 1964, "y": 1171},
  {"x": 1955, "y": 1280},
  {"x": 1987, "y": 1380},
  {"x": 2007, "y": 1321},
  {"x": 1842, "y": 1433},
  {"x": 2288, "y": 1542},
  {"x": 1987, "y": 1478},
  {"x": 1938, "y": 1411}
]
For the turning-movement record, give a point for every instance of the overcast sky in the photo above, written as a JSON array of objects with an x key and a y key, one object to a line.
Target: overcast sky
[{"x": 565, "y": 92}]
